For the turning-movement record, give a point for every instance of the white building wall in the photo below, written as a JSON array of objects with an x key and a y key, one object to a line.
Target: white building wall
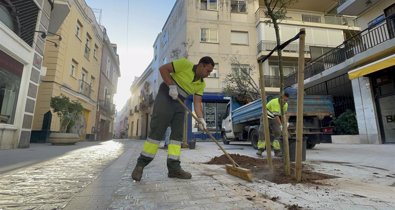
[
  {"x": 16, "y": 48},
  {"x": 365, "y": 110}
]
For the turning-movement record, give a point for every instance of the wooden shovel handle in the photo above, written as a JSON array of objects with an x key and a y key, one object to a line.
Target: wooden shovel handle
[{"x": 209, "y": 134}]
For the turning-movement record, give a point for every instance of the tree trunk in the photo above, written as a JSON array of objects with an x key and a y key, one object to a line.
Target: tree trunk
[{"x": 283, "y": 119}]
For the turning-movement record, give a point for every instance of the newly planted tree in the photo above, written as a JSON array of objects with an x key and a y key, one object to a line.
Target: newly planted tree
[{"x": 276, "y": 11}]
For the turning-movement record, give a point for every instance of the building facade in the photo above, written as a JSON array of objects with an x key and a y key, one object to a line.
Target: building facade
[
  {"x": 109, "y": 74},
  {"x": 360, "y": 71},
  {"x": 73, "y": 69},
  {"x": 24, "y": 27},
  {"x": 235, "y": 33}
]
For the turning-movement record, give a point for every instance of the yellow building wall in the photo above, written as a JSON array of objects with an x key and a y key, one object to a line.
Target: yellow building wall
[{"x": 58, "y": 60}]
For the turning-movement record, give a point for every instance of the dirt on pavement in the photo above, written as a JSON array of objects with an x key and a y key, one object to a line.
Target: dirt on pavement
[{"x": 260, "y": 169}]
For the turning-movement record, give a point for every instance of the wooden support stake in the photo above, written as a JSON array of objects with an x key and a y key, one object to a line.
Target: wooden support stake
[
  {"x": 264, "y": 119},
  {"x": 299, "y": 115}
]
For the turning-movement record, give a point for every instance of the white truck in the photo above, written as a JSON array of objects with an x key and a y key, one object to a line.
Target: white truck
[{"x": 241, "y": 123}]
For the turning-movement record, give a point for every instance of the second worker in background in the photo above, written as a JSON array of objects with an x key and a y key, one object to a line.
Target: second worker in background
[
  {"x": 181, "y": 78},
  {"x": 275, "y": 125}
]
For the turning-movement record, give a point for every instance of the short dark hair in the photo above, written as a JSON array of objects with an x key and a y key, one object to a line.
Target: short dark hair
[
  {"x": 286, "y": 95},
  {"x": 207, "y": 60}
]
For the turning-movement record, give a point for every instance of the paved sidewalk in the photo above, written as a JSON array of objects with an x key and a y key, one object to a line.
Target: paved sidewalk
[{"x": 97, "y": 176}]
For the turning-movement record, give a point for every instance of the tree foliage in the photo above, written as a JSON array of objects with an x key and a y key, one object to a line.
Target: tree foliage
[
  {"x": 239, "y": 83},
  {"x": 68, "y": 111},
  {"x": 346, "y": 123}
]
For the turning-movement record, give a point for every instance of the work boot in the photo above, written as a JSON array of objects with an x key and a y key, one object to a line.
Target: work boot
[
  {"x": 175, "y": 170},
  {"x": 278, "y": 153},
  {"x": 137, "y": 173},
  {"x": 259, "y": 152},
  {"x": 180, "y": 173},
  {"x": 142, "y": 161}
]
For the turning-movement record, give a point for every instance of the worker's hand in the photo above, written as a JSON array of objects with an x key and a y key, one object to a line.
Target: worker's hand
[
  {"x": 281, "y": 127},
  {"x": 173, "y": 93},
  {"x": 202, "y": 124}
]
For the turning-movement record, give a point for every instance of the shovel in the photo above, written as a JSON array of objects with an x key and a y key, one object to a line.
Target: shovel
[{"x": 232, "y": 169}]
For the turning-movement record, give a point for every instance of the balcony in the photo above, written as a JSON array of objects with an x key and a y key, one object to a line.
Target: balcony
[
  {"x": 146, "y": 102},
  {"x": 361, "y": 42},
  {"x": 85, "y": 88},
  {"x": 314, "y": 19},
  {"x": 107, "y": 106},
  {"x": 272, "y": 81},
  {"x": 266, "y": 45}
]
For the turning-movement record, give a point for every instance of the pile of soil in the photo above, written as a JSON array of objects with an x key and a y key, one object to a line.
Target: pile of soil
[{"x": 260, "y": 169}]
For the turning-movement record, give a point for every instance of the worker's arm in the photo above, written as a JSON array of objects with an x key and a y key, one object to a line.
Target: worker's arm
[{"x": 165, "y": 71}]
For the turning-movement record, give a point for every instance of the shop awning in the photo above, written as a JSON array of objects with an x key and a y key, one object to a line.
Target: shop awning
[{"x": 372, "y": 67}]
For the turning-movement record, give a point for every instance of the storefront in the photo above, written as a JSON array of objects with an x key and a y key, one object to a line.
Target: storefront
[
  {"x": 374, "y": 93},
  {"x": 214, "y": 107},
  {"x": 383, "y": 83}
]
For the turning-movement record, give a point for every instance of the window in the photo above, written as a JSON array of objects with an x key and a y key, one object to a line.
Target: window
[
  {"x": 239, "y": 37},
  {"x": 209, "y": 35},
  {"x": 165, "y": 39},
  {"x": 78, "y": 29},
  {"x": 208, "y": 4},
  {"x": 10, "y": 81},
  {"x": 311, "y": 18},
  {"x": 6, "y": 18},
  {"x": 87, "y": 50},
  {"x": 95, "y": 50},
  {"x": 73, "y": 68},
  {"x": 108, "y": 67},
  {"x": 238, "y": 6},
  {"x": 287, "y": 70},
  {"x": 241, "y": 69},
  {"x": 214, "y": 73},
  {"x": 93, "y": 79},
  {"x": 83, "y": 75}
]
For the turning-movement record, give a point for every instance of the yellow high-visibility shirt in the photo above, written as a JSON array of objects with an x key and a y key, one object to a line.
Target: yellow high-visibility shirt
[
  {"x": 184, "y": 74},
  {"x": 274, "y": 106}
]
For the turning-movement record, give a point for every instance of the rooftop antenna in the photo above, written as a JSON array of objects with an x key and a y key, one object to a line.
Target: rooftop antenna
[{"x": 98, "y": 14}]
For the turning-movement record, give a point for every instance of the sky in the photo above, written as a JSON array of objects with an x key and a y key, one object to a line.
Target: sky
[{"x": 133, "y": 25}]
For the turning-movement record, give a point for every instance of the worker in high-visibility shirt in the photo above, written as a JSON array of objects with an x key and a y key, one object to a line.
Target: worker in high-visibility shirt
[
  {"x": 275, "y": 125},
  {"x": 181, "y": 78}
]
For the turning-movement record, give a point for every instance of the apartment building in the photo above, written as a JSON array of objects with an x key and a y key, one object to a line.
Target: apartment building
[
  {"x": 121, "y": 122},
  {"x": 24, "y": 27},
  {"x": 143, "y": 92},
  {"x": 109, "y": 74},
  {"x": 235, "y": 33},
  {"x": 363, "y": 68},
  {"x": 73, "y": 69}
]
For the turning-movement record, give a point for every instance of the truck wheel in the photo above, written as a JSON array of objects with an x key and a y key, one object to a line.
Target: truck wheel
[
  {"x": 310, "y": 145},
  {"x": 225, "y": 139},
  {"x": 254, "y": 136}
]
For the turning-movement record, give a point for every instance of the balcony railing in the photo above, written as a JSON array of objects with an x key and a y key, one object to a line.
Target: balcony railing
[
  {"x": 266, "y": 45},
  {"x": 107, "y": 106},
  {"x": 359, "y": 43},
  {"x": 328, "y": 19},
  {"x": 272, "y": 81},
  {"x": 85, "y": 88}
]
